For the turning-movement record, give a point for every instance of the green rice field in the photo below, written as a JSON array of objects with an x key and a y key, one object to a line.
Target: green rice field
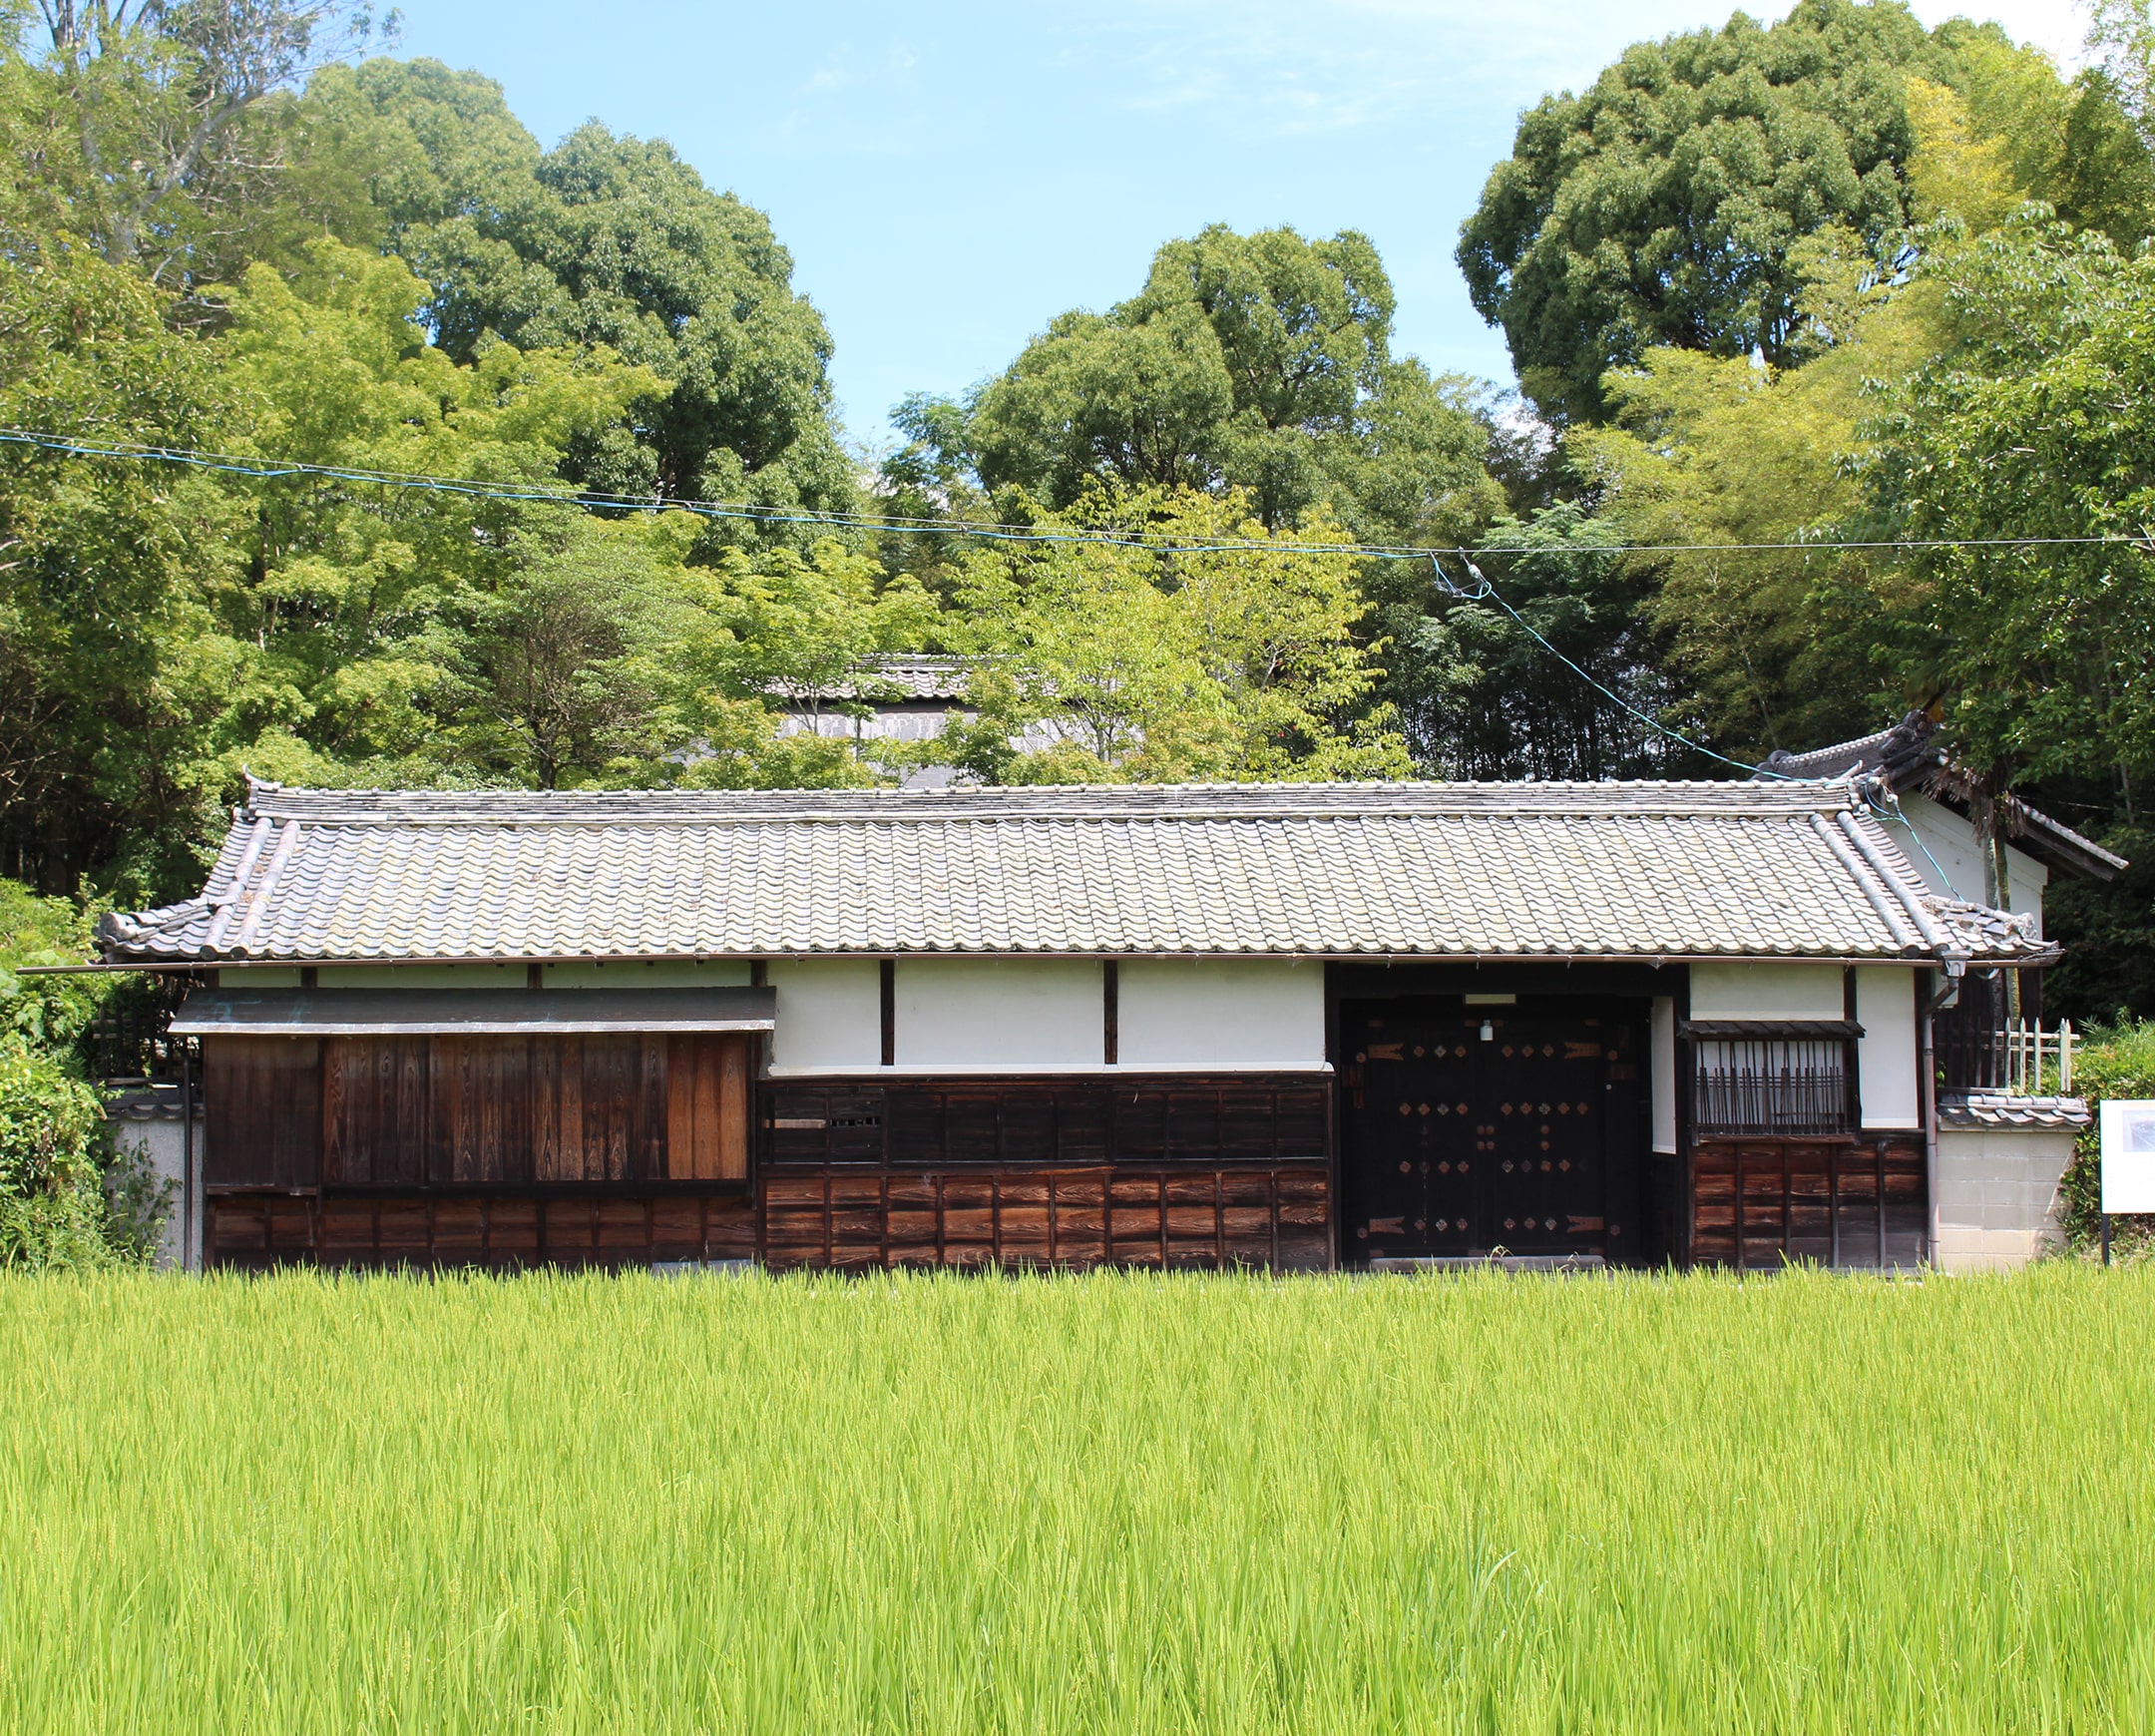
[{"x": 1111, "y": 1502}]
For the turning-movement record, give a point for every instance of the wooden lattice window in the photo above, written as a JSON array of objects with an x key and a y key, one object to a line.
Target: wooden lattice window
[{"x": 1763, "y": 1086}]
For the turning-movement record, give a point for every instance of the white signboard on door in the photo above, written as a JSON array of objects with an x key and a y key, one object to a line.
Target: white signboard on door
[{"x": 2128, "y": 1156}]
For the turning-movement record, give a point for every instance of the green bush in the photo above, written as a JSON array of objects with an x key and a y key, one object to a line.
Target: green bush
[
  {"x": 52, "y": 1209},
  {"x": 2115, "y": 1061},
  {"x": 53, "y": 1011},
  {"x": 66, "y": 1198}
]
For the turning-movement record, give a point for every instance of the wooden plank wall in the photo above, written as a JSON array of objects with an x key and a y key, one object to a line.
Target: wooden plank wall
[
  {"x": 1192, "y": 1216},
  {"x": 1187, "y": 1172},
  {"x": 1850, "y": 1201},
  {"x": 507, "y": 1151},
  {"x": 257, "y": 1230},
  {"x": 403, "y": 1112},
  {"x": 262, "y": 1099},
  {"x": 1079, "y": 1121}
]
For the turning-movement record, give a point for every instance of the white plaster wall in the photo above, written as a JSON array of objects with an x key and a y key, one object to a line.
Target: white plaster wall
[
  {"x": 259, "y": 977},
  {"x": 1886, "y": 1057},
  {"x": 1221, "y": 1013},
  {"x": 983, "y": 1015},
  {"x": 1998, "y": 1196},
  {"x": 830, "y": 1014},
  {"x": 656, "y": 974},
  {"x": 1951, "y": 839},
  {"x": 421, "y": 977},
  {"x": 1662, "y": 1068},
  {"x": 1741, "y": 989},
  {"x": 162, "y": 1140}
]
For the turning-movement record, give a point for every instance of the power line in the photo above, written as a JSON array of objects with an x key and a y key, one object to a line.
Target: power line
[
  {"x": 992, "y": 530},
  {"x": 1483, "y": 590}
]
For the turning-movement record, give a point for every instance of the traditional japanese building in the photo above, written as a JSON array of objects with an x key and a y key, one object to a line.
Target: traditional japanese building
[{"x": 1288, "y": 1026}]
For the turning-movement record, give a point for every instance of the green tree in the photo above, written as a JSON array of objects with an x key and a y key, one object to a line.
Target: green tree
[
  {"x": 2034, "y": 424},
  {"x": 1260, "y": 363},
  {"x": 1153, "y": 661},
  {"x": 173, "y": 120},
  {"x": 1662, "y": 205},
  {"x": 1775, "y": 649},
  {"x": 1480, "y": 696},
  {"x": 101, "y": 561},
  {"x": 606, "y": 241},
  {"x": 565, "y": 654},
  {"x": 2009, "y": 129},
  {"x": 340, "y": 626}
]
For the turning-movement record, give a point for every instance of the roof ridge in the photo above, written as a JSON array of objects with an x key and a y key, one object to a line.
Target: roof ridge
[{"x": 1101, "y": 802}]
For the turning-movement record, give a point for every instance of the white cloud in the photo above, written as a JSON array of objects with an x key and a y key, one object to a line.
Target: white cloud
[{"x": 1286, "y": 67}]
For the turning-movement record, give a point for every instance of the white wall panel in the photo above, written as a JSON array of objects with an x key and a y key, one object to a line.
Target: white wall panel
[
  {"x": 422, "y": 976},
  {"x": 1955, "y": 849},
  {"x": 1740, "y": 989},
  {"x": 1886, "y": 1058},
  {"x": 1222, "y": 1013},
  {"x": 1662, "y": 1060},
  {"x": 657, "y": 974},
  {"x": 830, "y": 1014},
  {"x": 999, "y": 1013}
]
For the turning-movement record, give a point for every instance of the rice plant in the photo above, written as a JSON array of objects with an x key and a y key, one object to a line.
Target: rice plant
[{"x": 1115, "y": 1502}]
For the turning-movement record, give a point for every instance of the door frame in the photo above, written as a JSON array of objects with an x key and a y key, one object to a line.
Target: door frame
[{"x": 1619, "y": 992}]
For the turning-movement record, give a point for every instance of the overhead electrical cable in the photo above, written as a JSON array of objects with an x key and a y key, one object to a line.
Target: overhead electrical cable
[
  {"x": 1481, "y": 590},
  {"x": 564, "y": 494}
]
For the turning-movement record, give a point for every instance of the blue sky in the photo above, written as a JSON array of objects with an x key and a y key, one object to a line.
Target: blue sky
[{"x": 950, "y": 176}]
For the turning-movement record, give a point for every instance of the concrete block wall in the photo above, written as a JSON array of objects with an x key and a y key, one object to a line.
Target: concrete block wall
[{"x": 1998, "y": 1195}]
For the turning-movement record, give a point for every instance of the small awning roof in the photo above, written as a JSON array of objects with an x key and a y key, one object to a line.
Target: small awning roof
[{"x": 469, "y": 1012}]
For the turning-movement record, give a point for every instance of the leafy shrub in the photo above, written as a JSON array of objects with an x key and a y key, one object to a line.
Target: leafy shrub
[
  {"x": 2117, "y": 1060},
  {"x": 53, "y": 1011},
  {"x": 137, "y": 1205},
  {"x": 53, "y": 1210},
  {"x": 66, "y": 1198}
]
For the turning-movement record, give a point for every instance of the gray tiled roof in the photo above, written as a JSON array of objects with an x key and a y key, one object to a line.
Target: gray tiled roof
[
  {"x": 1997, "y": 1112},
  {"x": 1610, "y": 870},
  {"x": 1911, "y": 757},
  {"x": 894, "y": 681}
]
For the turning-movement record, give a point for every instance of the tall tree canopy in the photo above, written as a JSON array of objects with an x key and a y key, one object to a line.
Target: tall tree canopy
[
  {"x": 605, "y": 240},
  {"x": 1261, "y": 364},
  {"x": 1661, "y": 207}
]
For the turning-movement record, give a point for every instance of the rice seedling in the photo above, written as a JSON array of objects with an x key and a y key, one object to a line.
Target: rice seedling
[{"x": 1115, "y": 1502}]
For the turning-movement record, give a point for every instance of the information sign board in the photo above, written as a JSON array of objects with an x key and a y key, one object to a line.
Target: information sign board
[{"x": 2128, "y": 1156}]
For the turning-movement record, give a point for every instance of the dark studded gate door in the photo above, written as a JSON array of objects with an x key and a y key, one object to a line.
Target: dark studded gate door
[{"x": 1471, "y": 1132}]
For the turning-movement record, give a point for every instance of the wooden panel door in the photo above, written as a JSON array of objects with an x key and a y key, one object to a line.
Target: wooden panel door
[
  {"x": 263, "y": 1105},
  {"x": 707, "y": 1108},
  {"x": 471, "y": 1110},
  {"x": 1419, "y": 1151},
  {"x": 1461, "y": 1144},
  {"x": 1541, "y": 1091}
]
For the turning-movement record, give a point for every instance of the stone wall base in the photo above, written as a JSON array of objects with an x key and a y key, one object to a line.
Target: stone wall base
[{"x": 1998, "y": 1195}]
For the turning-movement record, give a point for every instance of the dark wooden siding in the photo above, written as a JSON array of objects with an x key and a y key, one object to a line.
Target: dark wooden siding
[
  {"x": 1852, "y": 1201},
  {"x": 467, "y": 1112},
  {"x": 1083, "y": 1120},
  {"x": 262, "y": 1100},
  {"x": 1182, "y": 1172},
  {"x": 1195, "y": 1216},
  {"x": 385, "y": 1228},
  {"x": 624, "y": 1151}
]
